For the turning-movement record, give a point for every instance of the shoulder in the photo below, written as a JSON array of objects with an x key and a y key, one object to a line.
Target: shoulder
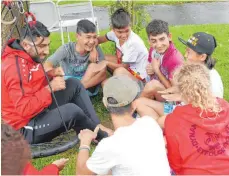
[
  {"x": 215, "y": 78},
  {"x": 214, "y": 73},
  {"x": 98, "y": 48},
  {"x": 69, "y": 46},
  {"x": 174, "y": 53},
  {"x": 147, "y": 123},
  {"x": 136, "y": 43},
  {"x": 173, "y": 119},
  {"x": 134, "y": 39},
  {"x": 106, "y": 144}
]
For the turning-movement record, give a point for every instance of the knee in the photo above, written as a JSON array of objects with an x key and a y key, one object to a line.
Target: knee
[
  {"x": 91, "y": 66},
  {"x": 138, "y": 102},
  {"x": 104, "y": 71},
  {"x": 120, "y": 71},
  {"x": 73, "y": 84},
  {"x": 71, "y": 111},
  {"x": 152, "y": 85}
]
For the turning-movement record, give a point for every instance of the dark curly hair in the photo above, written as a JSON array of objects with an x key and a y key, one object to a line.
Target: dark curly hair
[
  {"x": 156, "y": 27},
  {"x": 15, "y": 151}
]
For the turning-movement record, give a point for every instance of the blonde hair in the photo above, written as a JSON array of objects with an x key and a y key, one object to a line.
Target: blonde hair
[{"x": 193, "y": 80}]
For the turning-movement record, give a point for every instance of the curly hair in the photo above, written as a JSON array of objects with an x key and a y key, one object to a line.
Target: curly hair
[
  {"x": 15, "y": 151},
  {"x": 193, "y": 80}
]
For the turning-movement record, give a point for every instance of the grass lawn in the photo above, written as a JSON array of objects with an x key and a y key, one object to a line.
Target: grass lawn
[
  {"x": 221, "y": 32},
  {"x": 106, "y": 3}
]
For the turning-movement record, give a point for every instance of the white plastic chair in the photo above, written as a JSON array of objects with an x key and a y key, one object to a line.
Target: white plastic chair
[
  {"x": 69, "y": 15},
  {"x": 59, "y": 17},
  {"x": 46, "y": 12}
]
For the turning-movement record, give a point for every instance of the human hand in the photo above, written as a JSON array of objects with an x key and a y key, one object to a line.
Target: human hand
[
  {"x": 172, "y": 97},
  {"x": 171, "y": 94},
  {"x": 109, "y": 131},
  {"x": 56, "y": 72},
  {"x": 100, "y": 66},
  {"x": 171, "y": 90},
  {"x": 149, "y": 69},
  {"x": 60, "y": 163},
  {"x": 94, "y": 55},
  {"x": 86, "y": 136},
  {"x": 156, "y": 62},
  {"x": 58, "y": 83}
]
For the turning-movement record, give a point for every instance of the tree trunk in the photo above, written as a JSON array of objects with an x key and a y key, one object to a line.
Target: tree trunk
[{"x": 7, "y": 15}]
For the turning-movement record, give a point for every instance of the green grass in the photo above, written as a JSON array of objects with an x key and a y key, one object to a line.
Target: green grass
[
  {"x": 221, "y": 32},
  {"x": 107, "y": 3}
]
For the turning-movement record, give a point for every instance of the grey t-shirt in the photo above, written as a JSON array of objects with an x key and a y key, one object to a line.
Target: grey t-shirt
[{"x": 71, "y": 61}]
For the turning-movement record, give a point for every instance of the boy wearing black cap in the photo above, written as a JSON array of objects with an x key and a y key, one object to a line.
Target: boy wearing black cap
[{"x": 200, "y": 47}]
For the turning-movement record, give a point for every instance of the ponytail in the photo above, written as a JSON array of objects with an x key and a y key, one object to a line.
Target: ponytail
[{"x": 210, "y": 62}]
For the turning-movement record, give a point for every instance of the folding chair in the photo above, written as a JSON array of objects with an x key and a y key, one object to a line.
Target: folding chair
[
  {"x": 46, "y": 12},
  {"x": 71, "y": 14},
  {"x": 59, "y": 17}
]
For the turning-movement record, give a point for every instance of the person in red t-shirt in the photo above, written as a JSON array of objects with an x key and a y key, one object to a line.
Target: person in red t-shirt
[
  {"x": 16, "y": 156},
  {"x": 197, "y": 132}
]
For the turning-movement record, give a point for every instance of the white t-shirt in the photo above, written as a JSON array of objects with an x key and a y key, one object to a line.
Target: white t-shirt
[
  {"x": 138, "y": 149},
  {"x": 134, "y": 52},
  {"x": 216, "y": 83}
]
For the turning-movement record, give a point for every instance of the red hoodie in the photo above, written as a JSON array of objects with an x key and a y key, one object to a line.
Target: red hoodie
[
  {"x": 23, "y": 86},
  {"x": 198, "y": 145},
  {"x": 50, "y": 169}
]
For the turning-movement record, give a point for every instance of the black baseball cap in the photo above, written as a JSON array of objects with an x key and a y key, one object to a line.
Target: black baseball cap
[{"x": 201, "y": 42}]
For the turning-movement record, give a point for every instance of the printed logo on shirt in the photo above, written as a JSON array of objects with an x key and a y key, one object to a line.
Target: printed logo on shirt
[
  {"x": 213, "y": 144},
  {"x": 77, "y": 69}
]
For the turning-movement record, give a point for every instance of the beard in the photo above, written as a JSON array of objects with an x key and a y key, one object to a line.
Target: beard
[{"x": 36, "y": 59}]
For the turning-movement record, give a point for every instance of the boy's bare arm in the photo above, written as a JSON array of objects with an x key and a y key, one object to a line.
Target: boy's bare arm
[
  {"x": 102, "y": 39},
  {"x": 163, "y": 79},
  {"x": 113, "y": 65}
]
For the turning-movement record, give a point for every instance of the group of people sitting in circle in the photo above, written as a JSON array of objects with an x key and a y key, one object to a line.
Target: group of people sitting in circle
[{"x": 168, "y": 114}]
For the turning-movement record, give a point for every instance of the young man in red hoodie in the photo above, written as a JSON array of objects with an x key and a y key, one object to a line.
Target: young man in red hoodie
[
  {"x": 197, "y": 133},
  {"x": 163, "y": 59},
  {"x": 16, "y": 156},
  {"x": 27, "y": 102}
]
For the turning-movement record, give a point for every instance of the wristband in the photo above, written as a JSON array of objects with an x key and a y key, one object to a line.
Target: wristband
[{"x": 84, "y": 147}]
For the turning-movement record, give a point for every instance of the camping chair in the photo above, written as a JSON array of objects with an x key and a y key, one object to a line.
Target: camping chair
[{"x": 71, "y": 14}]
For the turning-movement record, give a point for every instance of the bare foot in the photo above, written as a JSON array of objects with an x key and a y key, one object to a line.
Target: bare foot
[{"x": 108, "y": 130}]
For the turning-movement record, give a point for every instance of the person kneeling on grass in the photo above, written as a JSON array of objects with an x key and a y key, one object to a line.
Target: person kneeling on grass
[
  {"x": 197, "y": 133},
  {"x": 137, "y": 146},
  {"x": 82, "y": 60},
  {"x": 16, "y": 156}
]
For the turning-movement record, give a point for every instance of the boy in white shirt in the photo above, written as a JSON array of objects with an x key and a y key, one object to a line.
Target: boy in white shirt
[
  {"x": 137, "y": 146},
  {"x": 131, "y": 53}
]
